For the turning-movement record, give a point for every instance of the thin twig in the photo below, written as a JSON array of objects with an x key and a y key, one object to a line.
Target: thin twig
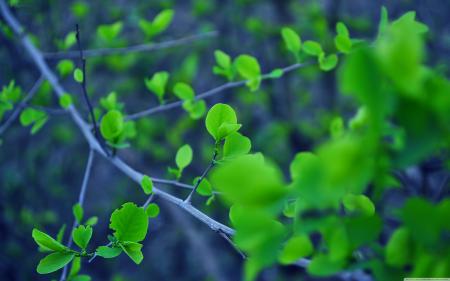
[
  {"x": 211, "y": 92},
  {"x": 228, "y": 239},
  {"x": 131, "y": 49},
  {"x": 81, "y": 196},
  {"x": 205, "y": 173},
  {"x": 21, "y": 105},
  {"x": 85, "y": 94},
  {"x": 49, "y": 110}
]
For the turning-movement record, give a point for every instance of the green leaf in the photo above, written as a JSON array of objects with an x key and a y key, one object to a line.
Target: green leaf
[
  {"x": 107, "y": 252},
  {"x": 329, "y": 62},
  {"x": 133, "y": 250},
  {"x": 46, "y": 242},
  {"x": 75, "y": 268},
  {"x": 38, "y": 125},
  {"x": 147, "y": 184},
  {"x": 81, "y": 277},
  {"x": 226, "y": 129},
  {"x": 196, "y": 108},
  {"x": 322, "y": 265},
  {"x": 78, "y": 212},
  {"x": 130, "y": 223},
  {"x": 248, "y": 67},
  {"x": 276, "y": 73},
  {"x": 112, "y": 124},
  {"x": 184, "y": 156},
  {"x": 291, "y": 40},
  {"x": 223, "y": 60},
  {"x": 312, "y": 48},
  {"x": 65, "y": 67},
  {"x": 296, "y": 248},
  {"x": 108, "y": 32},
  {"x": 343, "y": 43},
  {"x": 384, "y": 21},
  {"x": 183, "y": 91},
  {"x": 82, "y": 235},
  {"x": 53, "y": 262},
  {"x": 33, "y": 116},
  {"x": 359, "y": 203},
  {"x": 92, "y": 221},
  {"x": 65, "y": 101},
  {"x": 399, "y": 248},
  {"x": 162, "y": 21},
  {"x": 204, "y": 188},
  {"x": 157, "y": 84},
  {"x": 218, "y": 115},
  {"x": 78, "y": 75},
  {"x": 341, "y": 29},
  {"x": 152, "y": 210},
  {"x": 60, "y": 235},
  {"x": 236, "y": 145}
]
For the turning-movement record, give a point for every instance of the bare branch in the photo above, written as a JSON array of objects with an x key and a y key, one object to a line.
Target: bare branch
[
  {"x": 132, "y": 49},
  {"x": 21, "y": 105}
]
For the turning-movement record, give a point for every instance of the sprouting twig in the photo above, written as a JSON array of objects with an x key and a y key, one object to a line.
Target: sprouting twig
[
  {"x": 132, "y": 49},
  {"x": 21, "y": 105},
  {"x": 81, "y": 196},
  {"x": 205, "y": 173},
  {"x": 209, "y": 93}
]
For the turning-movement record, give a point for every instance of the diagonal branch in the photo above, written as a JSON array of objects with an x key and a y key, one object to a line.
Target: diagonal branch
[
  {"x": 132, "y": 49},
  {"x": 21, "y": 105},
  {"x": 81, "y": 196},
  {"x": 211, "y": 92},
  {"x": 203, "y": 176},
  {"x": 136, "y": 176}
]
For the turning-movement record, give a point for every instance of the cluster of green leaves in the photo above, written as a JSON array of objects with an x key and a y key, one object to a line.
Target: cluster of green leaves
[
  {"x": 294, "y": 44},
  {"x": 129, "y": 223},
  {"x": 159, "y": 23},
  {"x": 9, "y": 96},
  {"x": 327, "y": 193}
]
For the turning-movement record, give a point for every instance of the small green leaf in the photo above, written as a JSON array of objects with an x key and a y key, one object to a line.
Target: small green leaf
[
  {"x": 327, "y": 63},
  {"x": 53, "y": 262},
  {"x": 108, "y": 32},
  {"x": 78, "y": 75},
  {"x": 65, "y": 101},
  {"x": 133, "y": 250},
  {"x": 196, "y": 108},
  {"x": 398, "y": 249},
  {"x": 296, "y": 248},
  {"x": 82, "y": 235},
  {"x": 204, "y": 188},
  {"x": 147, "y": 184},
  {"x": 107, "y": 252},
  {"x": 343, "y": 43},
  {"x": 218, "y": 115},
  {"x": 276, "y": 73},
  {"x": 223, "y": 60},
  {"x": 112, "y": 124},
  {"x": 291, "y": 40},
  {"x": 60, "y": 235},
  {"x": 226, "y": 129},
  {"x": 183, "y": 91},
  {"x": 78, "y": 212},
  {"x": 248, "y": 67},
  {"x": 162, "y": 21},
  {"x": 46, "y": 242},
  {"x": 129, "y": 222},
  {"x": 322, "y": 265},
  {"x": 184, "y": 156},
  {"x": 312, "y": 48},
  {"x": 358, "y": 203},
  {"x": 152, "y": 210},
  {"x": 75, "y": 268},
  {"x": 341, "y": 29},
  {"x": 65, "y": 67},
  {"x": 236, "y": 145},
  {"x": 157, "y": 84},
  {"x": 92, "y": 221}
]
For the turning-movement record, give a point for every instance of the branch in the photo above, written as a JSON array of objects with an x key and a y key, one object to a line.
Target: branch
[
  {"x": 38, "y": 59},
  {"x": 21, "y": 105},
  {"x": 211, "y": 92},
  {"x": 81, "y": 196},
  {"x": 131, "y": 49}
]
